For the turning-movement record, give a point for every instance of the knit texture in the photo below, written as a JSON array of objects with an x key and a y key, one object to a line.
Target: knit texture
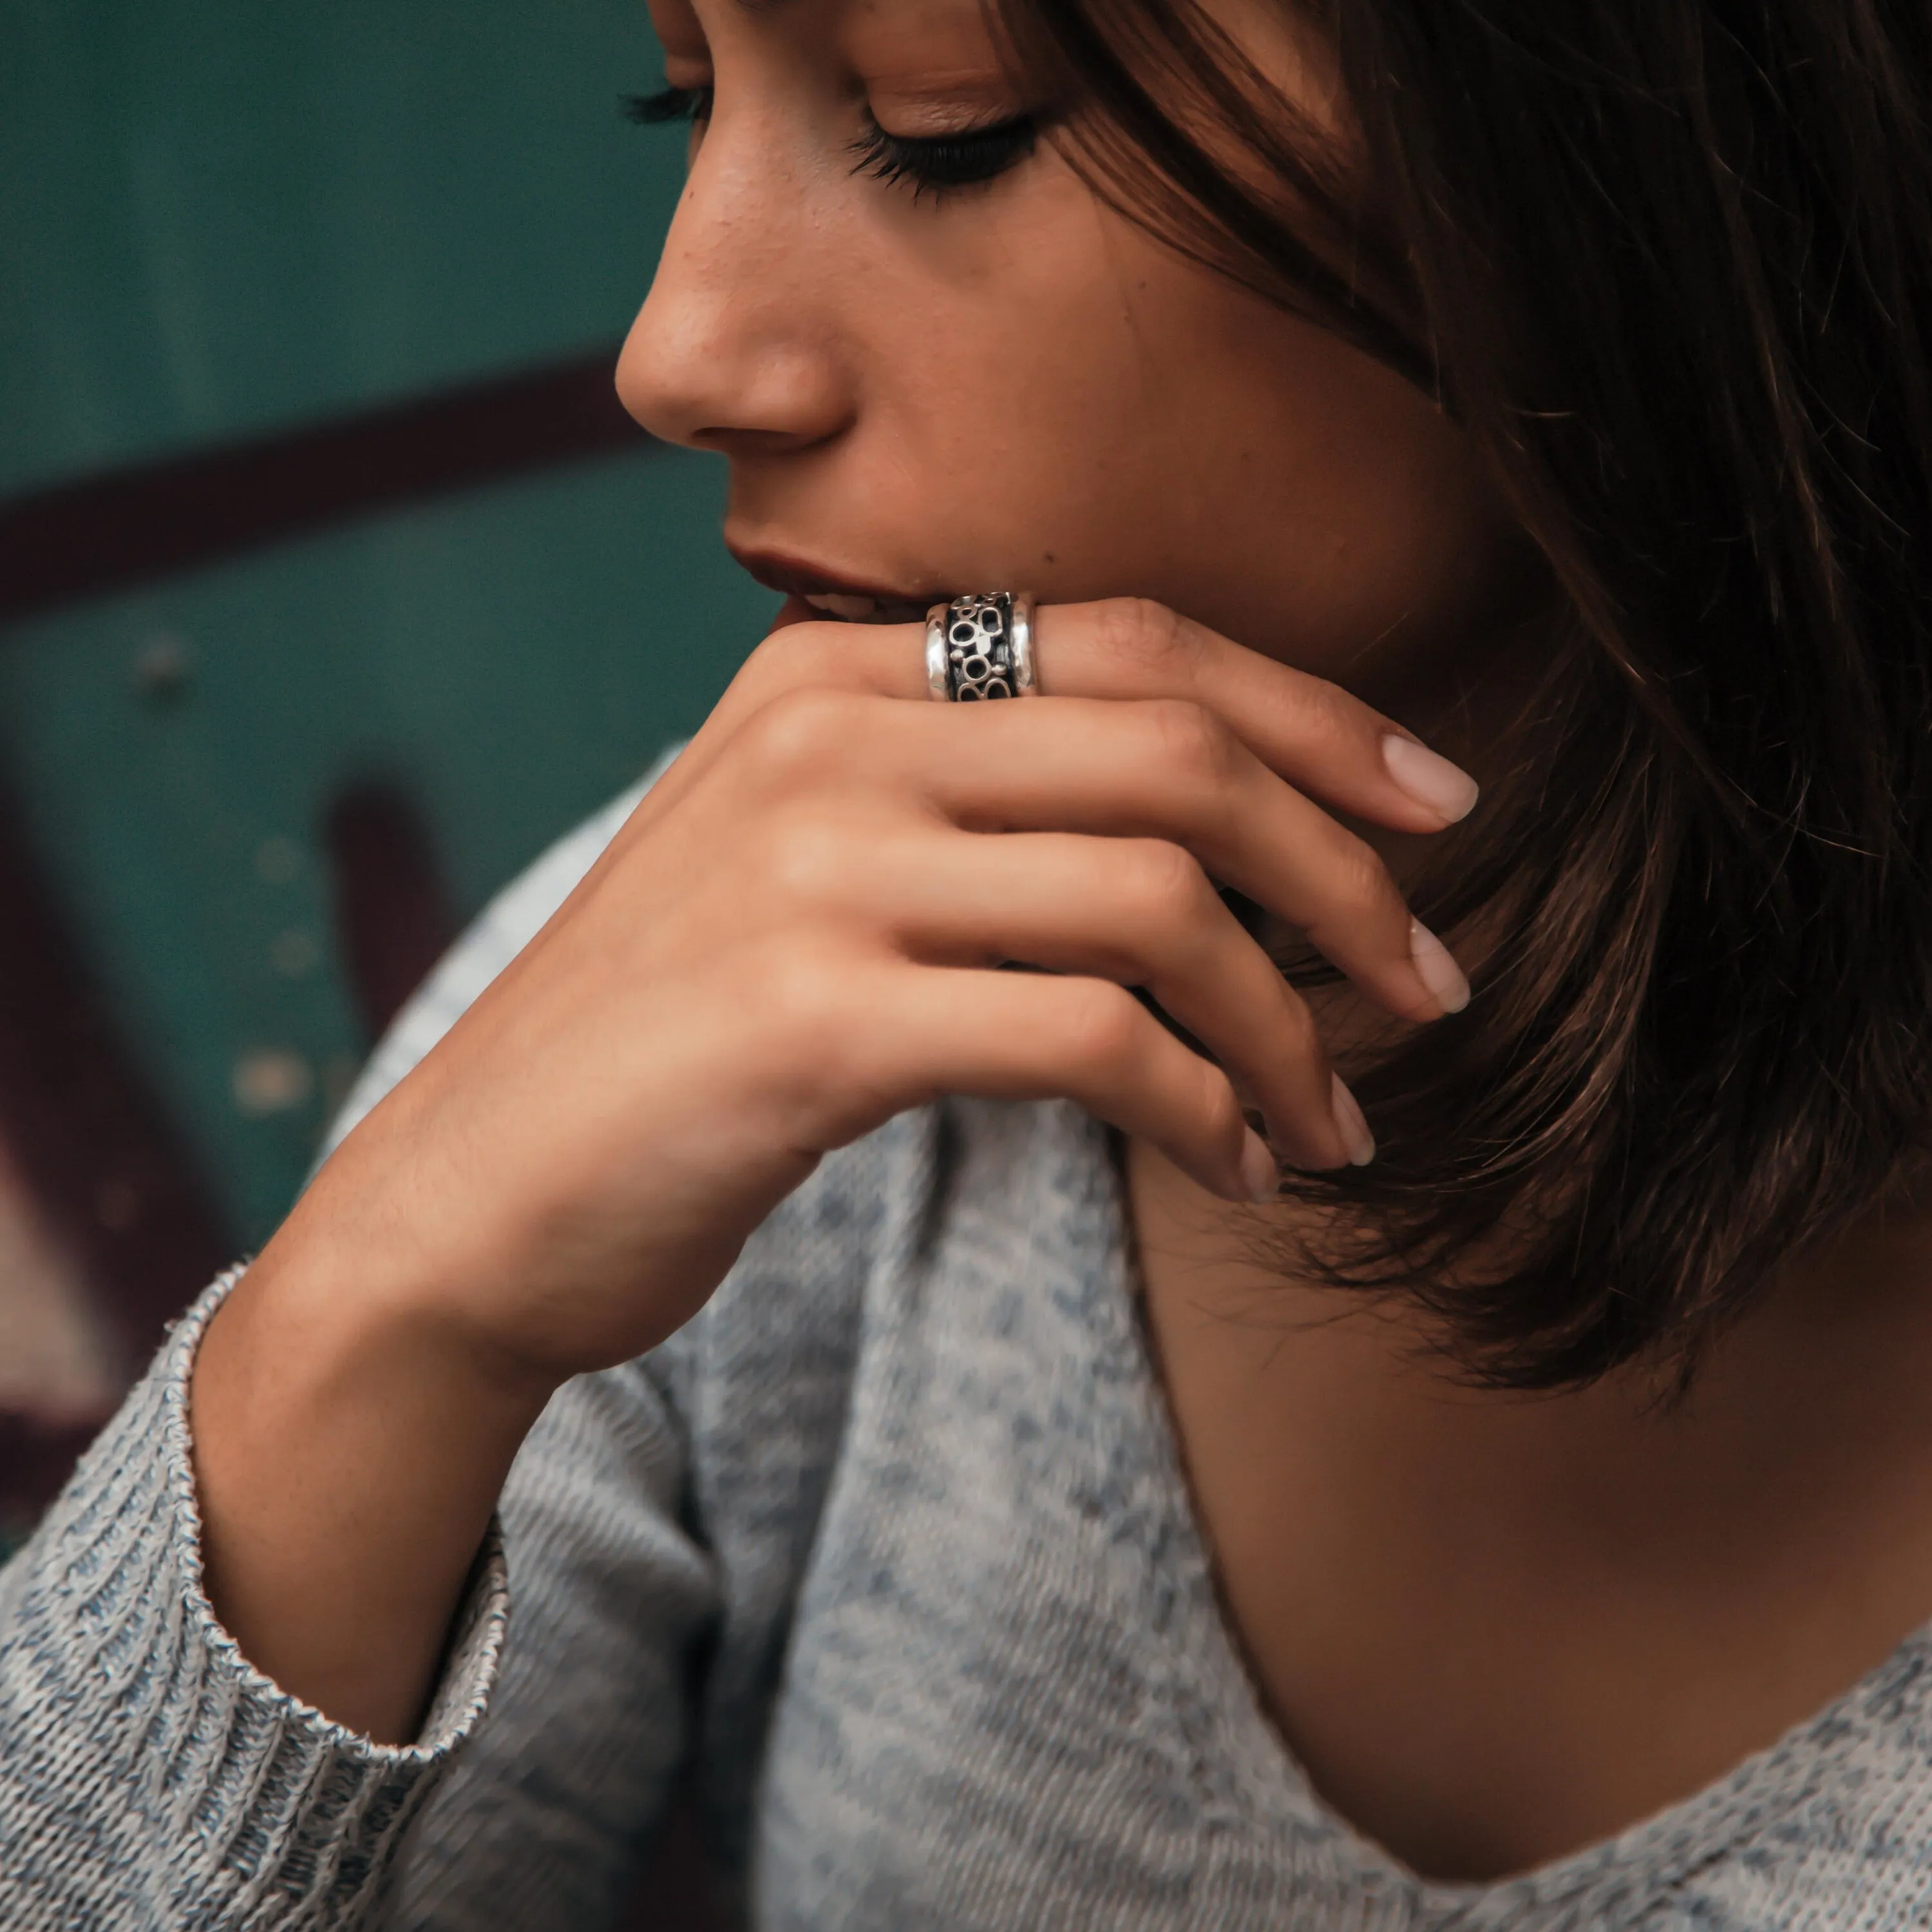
[
  {"x": 890, "y": 1552},
  {"x": 149, "y": 1776}
]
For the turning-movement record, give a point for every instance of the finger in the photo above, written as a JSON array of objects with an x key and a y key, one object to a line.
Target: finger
[
  {"x": 1030, "y": 1037},
  {"x": 1321, "y": 738},
  {"x": 1171, "y": 770},
  {"x": 1140, "y": 913},
  {"x": 876, "y": 661},
  {"x": 1165, "y": 769},
  {"x": 1325, "y": 741}
]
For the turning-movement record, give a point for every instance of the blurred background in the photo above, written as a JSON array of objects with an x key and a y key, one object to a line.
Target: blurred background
[{"x": 333, "y": 586}]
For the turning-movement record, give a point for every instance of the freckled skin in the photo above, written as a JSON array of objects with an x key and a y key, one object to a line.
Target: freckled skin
[{"x": 1013, "y": 383}]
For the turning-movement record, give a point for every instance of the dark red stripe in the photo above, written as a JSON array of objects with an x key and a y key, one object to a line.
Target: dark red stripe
[
  {"x": 131, "y": 526},
  {"x": 394, "y": 918},
  {"x": 91, "y": 1138}
]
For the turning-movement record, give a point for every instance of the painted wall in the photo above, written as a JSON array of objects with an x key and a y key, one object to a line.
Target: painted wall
[{"x": 222, "y": 219}]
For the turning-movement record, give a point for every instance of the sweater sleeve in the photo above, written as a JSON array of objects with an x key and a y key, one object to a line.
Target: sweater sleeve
[
  {"x": 546, "y": 1820},
  {"x": 149, "y": 1776}
]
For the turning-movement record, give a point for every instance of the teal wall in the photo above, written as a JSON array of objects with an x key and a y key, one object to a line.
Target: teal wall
[
  {"x": 220, "y": 219},
  {"x": 221, "y": 216}
]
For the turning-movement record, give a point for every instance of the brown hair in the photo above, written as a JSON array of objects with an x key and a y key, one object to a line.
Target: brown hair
[{"x": 1669, "y": 262}]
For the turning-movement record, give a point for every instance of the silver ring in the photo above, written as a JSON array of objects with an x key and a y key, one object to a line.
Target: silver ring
[{"x": 980, "y": 647}]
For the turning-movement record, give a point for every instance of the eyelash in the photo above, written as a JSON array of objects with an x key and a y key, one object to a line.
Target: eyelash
[
  {"x": 946, "y": 161},
  {"x": 933, "y": 166}
]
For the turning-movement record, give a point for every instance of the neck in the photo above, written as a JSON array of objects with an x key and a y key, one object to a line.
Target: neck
[
  {"x": 1832, "y": 1365},
  {"x": 1363, "y": 1502}
]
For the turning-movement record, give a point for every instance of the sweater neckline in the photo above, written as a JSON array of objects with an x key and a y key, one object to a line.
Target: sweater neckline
[{"x": 1268, "y": 1782}]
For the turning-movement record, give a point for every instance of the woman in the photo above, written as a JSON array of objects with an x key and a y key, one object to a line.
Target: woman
[{"x": 920, "y": 1406}]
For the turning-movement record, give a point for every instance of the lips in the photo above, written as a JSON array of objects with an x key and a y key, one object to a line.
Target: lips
[
  {"x": 824, "y": 595},
  {"x": 850, "y": 608}
]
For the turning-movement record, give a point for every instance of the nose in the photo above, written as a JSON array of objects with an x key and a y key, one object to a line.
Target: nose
[{"x": 734, "y": 350}]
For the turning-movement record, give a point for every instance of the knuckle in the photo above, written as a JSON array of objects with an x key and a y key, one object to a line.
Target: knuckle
[
  {"x": 1144, "y": 634},
  {"x": 1102, "y": 1027},
  {"x": 796, "y": 658},
  {"x": 801, "y": 986},
  {"x": 1330, "y": 716},
  {"x": 1220, "y": 1112},
  {"x": 805, "y": 860},
  {"x": 1190, "y": 736},
  {"x": 800, "y": 734},
  {"x": 819, "y": 1058},
  {"x": 761, "y": 677},
  {"x": 1360, "y": 887},
  {"x": 1296, "y": 1038},
  {"x": 1165, "y": 882}
]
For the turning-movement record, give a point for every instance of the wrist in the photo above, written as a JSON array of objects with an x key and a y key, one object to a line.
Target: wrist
[
  {"x": 355, "y": 1318},
  {"x": 350, "y": 1442}
]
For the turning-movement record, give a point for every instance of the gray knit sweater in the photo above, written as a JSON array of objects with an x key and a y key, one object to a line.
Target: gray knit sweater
[{"x": 888, "y": 1552}]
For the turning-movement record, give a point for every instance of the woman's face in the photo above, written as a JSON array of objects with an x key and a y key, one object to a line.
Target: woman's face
[{"x": 1008, "y": 384}]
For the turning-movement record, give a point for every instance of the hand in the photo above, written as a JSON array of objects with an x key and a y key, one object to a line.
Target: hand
[{"x": 795, "y": 937}]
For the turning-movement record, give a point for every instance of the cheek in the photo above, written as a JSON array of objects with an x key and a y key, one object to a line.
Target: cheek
[
  {"x": 1326, "y": 504},
  {"x": 1026, "y": 373},
  {"x": 1077, "y": 409},
  {"x": 1185, "y": 441}
]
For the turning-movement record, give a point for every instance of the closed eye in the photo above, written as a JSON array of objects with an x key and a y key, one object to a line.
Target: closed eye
[{"x": 933, "y": 163}]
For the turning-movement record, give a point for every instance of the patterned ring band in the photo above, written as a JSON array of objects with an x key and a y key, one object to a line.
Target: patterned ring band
[{"x": 980, "y": 647}]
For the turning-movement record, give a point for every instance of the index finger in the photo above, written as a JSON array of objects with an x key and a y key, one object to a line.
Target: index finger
[{"x": 1323, "y": 739}]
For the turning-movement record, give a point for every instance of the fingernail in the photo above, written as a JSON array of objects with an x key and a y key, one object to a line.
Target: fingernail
[
  {"x": 1433, "y": 782},
  {"x": 1437, "y": 970},
  {"x": 1352, "y": 1126},
  {"x": 1259, "y": 1174}
]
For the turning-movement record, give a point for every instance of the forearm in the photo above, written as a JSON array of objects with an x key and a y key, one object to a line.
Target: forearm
[
  {"x": 740, "y": 984},
  {"x": 348, "y": 1451}
]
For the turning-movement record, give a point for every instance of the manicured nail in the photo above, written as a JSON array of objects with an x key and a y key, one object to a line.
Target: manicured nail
[
  {"x": 1259, "y": 1174},
  {"x": 1433, "y": 782},
  {"x": 1436, "y": 970},
  {"x": 1352, "y": 1126}
]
